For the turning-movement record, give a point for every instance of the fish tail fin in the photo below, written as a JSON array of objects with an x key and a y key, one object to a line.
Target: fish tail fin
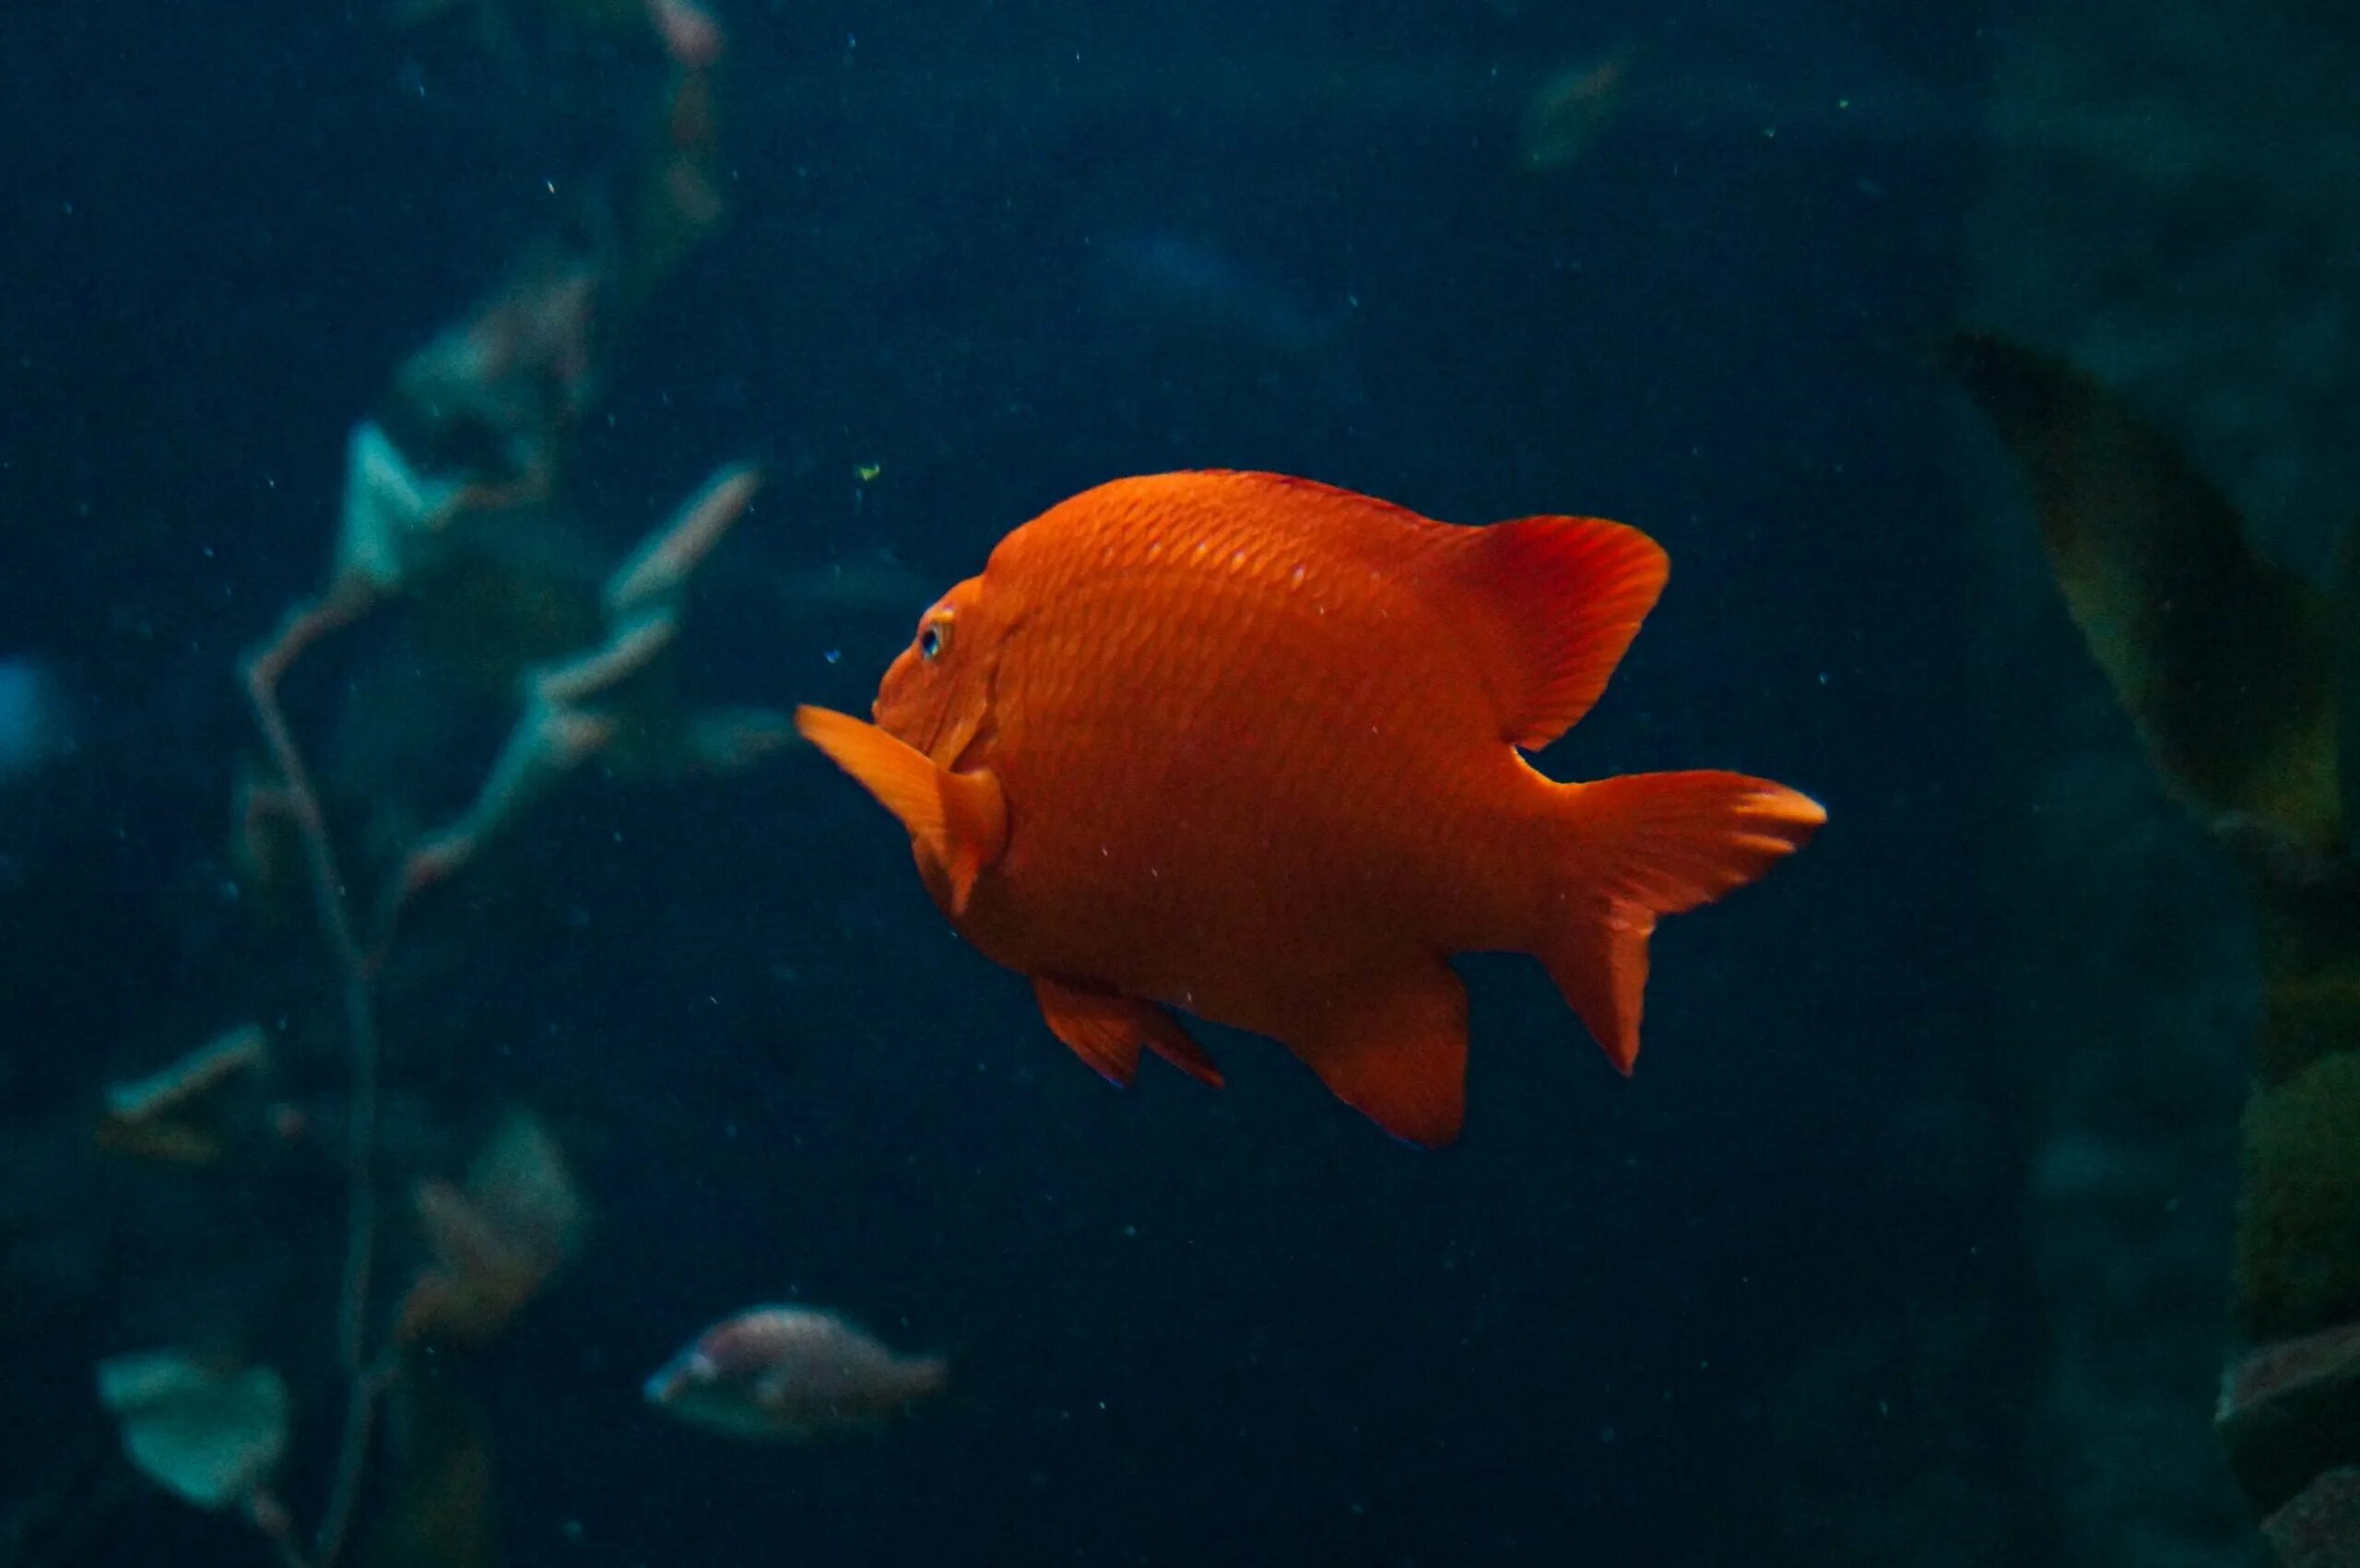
[
  {"x": 925, "y": 1375},
  {"x": 1648, "y": 844}
]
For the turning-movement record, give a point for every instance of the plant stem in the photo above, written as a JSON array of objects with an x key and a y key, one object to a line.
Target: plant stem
[{"x": 305, "y": 625}]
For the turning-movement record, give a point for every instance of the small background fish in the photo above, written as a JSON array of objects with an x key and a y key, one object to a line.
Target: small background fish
[
  {"x": 792, "y": 1373},
  {"x": 1168, "y": 280}
]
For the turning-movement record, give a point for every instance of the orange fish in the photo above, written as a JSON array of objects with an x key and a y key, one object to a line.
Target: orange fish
[{"x": 1246, "y": 746}]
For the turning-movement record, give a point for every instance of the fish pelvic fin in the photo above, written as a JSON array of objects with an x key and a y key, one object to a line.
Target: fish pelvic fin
[
  {"x": 1648, "y": 844},
  {"x": 1107, "y": 1030},
  {"x": 1560, "y": 599},
  {"x": 959, "y": 819}
]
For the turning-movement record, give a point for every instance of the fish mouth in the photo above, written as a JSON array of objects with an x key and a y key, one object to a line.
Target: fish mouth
[
  {"x": 677, "y": 1376},
  {"x": 906, "y": 722}
]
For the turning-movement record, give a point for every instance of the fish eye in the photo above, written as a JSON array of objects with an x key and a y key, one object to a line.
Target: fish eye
[{"x": 932, "y": 639}]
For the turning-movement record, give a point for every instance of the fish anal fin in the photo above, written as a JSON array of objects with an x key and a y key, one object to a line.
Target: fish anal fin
[
  {"x": 1107, "y": 1030},
  {"x": 959, "y": 819},
  {"x": 1603, "y": 974},
  {"x": 1561, "y": 598},
  {"x": 1395, "y": 1050},
  {"x": 1644, "y": 845}
]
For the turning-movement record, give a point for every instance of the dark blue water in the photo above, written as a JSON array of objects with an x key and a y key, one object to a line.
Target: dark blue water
[{"x": 1188, "y": 1328}]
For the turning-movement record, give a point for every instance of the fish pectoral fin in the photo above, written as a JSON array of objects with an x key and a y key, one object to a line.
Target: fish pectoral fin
[
  {"x": 960, "y": 818},
  {"x": 1107, "y": 1031},
  {"x": 1394, "y": 1050},
  {"x": 1556, "y": 601}
]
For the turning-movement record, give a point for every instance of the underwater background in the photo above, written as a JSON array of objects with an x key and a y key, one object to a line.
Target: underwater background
[{"x": 1909, "y": 1242}]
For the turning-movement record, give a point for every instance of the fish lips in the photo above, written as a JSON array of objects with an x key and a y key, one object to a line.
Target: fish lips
[{"x": 683, "y": 1375}]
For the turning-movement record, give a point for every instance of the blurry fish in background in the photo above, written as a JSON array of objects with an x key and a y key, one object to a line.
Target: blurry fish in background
[
  {"x": 690, "y": 33},
  {"x": 791, "y": 1372},
  {"x": 36, "y": 725},
  {"x": 1890, "y": 120},
  {"x": 1566, "y": 112},
  {"x": 596, "y": 14},
  {"x": 872, "y": 582},
  {"x": 1176, "y": 281},
  {"x": 687, "y": 31}
]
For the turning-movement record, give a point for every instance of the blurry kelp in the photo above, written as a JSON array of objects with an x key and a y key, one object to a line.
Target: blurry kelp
[
  {"x": 458, "y": 538},
  {"x": 210, "y": 1433},
  {"x": 181, "y": 1113},
  {"x": 2240, "y": 676},
  {"x": 494, "y": 1242},
  {"x": 2221, "y": 657},
  {"x": 438, "y": 1495}
]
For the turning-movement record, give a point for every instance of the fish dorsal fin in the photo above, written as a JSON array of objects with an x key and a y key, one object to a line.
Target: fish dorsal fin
[
  {"x": 1560, "y": 600},
  {"x": 958, "y": 819}
]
